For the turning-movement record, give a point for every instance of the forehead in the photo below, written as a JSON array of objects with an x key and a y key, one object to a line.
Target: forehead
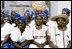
[
  {"x": 44, "y": 17},
  {"x": 60, "y": 18},
  {"x": 38, "y": 17},
  {"x": 5, "y": 17}
]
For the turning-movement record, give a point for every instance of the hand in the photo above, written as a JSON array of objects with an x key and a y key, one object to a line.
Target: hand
[
  {"x": 55, "y": 46},
  {"x": 20, "y": 47},
  {"x": 40, "y": 45}
]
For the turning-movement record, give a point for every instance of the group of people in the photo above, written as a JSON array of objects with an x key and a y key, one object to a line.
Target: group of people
[{"x": 40, "y": 31}]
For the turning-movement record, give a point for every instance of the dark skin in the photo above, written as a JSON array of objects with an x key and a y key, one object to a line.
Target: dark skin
[
  {"x": 62, "y": 26},
  {"x": 1, "y": 20},
  {"x": 52, "y": 45},
  {"x": 49, "y": 42},
  {"x": 6, "y": 19},
  {"x": 21, "y": 26},
  {"x": 45, "y": 43},
  {"x": 26, "y": 42},
  {"x": 28, "y": 19},
  {"x": 15, "y": 43},
  {"x": 6, "y": 39},
  {"x": 39, "y": 23},
  {"x": 69, "y": 44},
  {"x": 61, "y": 23},
  {"x": 7, "y": 36}
]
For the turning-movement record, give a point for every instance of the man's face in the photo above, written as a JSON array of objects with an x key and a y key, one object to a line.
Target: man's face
[
  {"x": 39, "y": 21},
  {"x": 6, "y": 19},
  {"x": 61, "y": 21},
  {"x": 21, "y": 25}
]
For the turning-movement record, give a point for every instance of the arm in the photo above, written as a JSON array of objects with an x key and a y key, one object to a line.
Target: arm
[
  {"x": 69, "y": 44},
  {"x": 6, "y": 39},
  {"x": 16, "y": 45},
  {"x": 38, "y": 45},
  {"x": 25, "y": 42},
  {"x": 52, "y": 45},
  {"x": 47, "y": 41}
]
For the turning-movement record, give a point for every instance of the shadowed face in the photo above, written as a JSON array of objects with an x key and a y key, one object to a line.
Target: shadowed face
[
  {"x": 21, "y": 25},
  {"x": 61, "y": 21}
]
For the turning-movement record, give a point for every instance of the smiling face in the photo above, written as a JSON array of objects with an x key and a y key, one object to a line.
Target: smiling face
[
  {"x": 21, "y": 25},
  {"x": 39, "y": 20}
]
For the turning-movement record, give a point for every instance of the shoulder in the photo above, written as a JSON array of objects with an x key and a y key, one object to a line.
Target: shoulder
[
  {"x": 45, "y": 27},
  {"x": 32, "y": 23}
]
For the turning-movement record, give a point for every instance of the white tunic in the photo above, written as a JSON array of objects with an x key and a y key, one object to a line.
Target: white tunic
[
  {"x": 38, "y": 35},
  {"x": 60, "y": 38},
  {"x": 16, "y": 35},
  {"x": 5, "y": 30}
]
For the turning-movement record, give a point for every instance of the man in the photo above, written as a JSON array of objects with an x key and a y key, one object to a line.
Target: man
[{"x": 61, "y": 34}]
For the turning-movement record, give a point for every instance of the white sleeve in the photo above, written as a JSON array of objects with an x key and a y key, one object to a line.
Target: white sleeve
[
  {"x": 8, "y": 28},
  {"x": 70, "y": 35},
  {"x": 52, "y": 34},
  {"x": 28, "y": 33},
  {"x": 14, "y": 35}
]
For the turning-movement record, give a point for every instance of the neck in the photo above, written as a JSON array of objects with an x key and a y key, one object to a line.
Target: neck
[
  {"x": 44, "y": 23},
  {"x": 21, "y": 30},
  {"x": 62, "y": 28},
  {"x": 38, "y": 27},
  {"x": 2, "y": 24}
]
